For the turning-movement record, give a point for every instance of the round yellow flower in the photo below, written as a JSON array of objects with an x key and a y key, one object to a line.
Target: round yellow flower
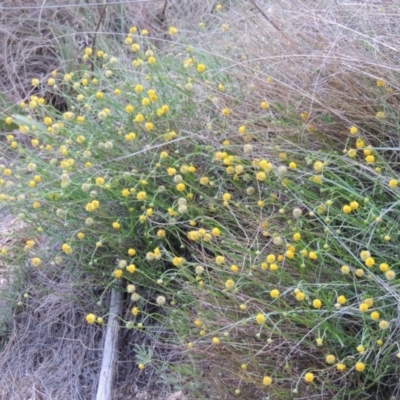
[
  {"x": 369, "y": 262},
  {"x": 260, "y": 319},
  {"x": 90, "y": 318},
  {"x": 66, "y": 248},
  {"x": 393, "y": 183},
  {"x": 317, "y": 303},
  {"x": 354, "y": 205},
  {"x": 261, "y": 176},
  {"x": 36, "y": 261},
  {"x": 353, "y": 130},
  {"x": 220, "y": 260},
  {"x": 309, "y": 377},
  {"x": 216, "y": 341},
  {"x": 347, "y": 209},
  {"x": 230, "y": 284},
  {"x": 201, "y": 68},
  {"x": 384, "y": 325},
  {"x": 340, "y": 367},
  {"x": 370, "y": 159},
  {"x": 300, "y": 296},
  {"x": 274, "y": 293},
  {"x": 390, "y": 275},
  {"x": 118, "y": 273},
  {"x": 330, "y": 359},
  {"x": 178, "y": 261},
  {"x": 360, "y": 366},
  {"x": 375, "y": 315},
  {"x": 180, "y": 187},
  {"x": 267, "y": 381}
]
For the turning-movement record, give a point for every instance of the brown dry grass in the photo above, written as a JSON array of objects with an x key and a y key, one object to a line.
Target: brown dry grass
[{"x": 52, "y": 353}]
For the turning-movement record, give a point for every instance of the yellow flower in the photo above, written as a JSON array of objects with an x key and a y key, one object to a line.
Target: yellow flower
[
  {"x": 66, "y": 248},
  {"x": 226, "y": 111},
  {"x": 226, "y": 196},
  {"x": 359, "y": 272},
  {"x": 340, "y": 367},
  {"x": 220, "y": 260},
  {"x": 318, "y": 166},
  {"x": 260, "y": 319},
  {"x": 352, "y": 153},
  {"x": 90, "y": 318},
  {"x": 384, "y": 325},
  {"x": 267, "y": 381},
  {"x": 264, "y": 105},
  {"x": 393, "y": 183},
  {"x": 304, "y": 115},
  {"x": 365, "y": 254},
  {"x": 354, "y": 205},
  {"x": 131, "y": 268},
  {"x": 369, "y": 262},
  {"x": 234, "y": 268},
  {"x": 309, "y": 377},
  {"x": 274, "y": 293},
  {"x": 370, "y": 159},
  {"x": 330, "y": 359},
  {"x": 360, "y": 366},
  {"x": 380, "y": 115},
  {"x": 161, "y": 233},
  {"x": 345, "y": 270},
  {"x": 216, "y": 341},
  {"x": 390, "y": 275},
  {"x": 172, "y": 30},
  {"x": 116, "y": 225},
  {"x": 180, "y": 187},
  {"x": 261, "y": 176},
  {"x": 369, "y": 302},
  {"x": 347, "y": 209},
  {"x": 230, "y": 284},
  {"x": 380, "y": 83},
  {"x": 353, "y": 130},
  {"x": 312, "y": 255},
  {"x": 361, "y": 349},
  {"x": 375, "y": 315},
  {"x": 201, "y": 68},
  {"x": 341, "y": 300},
  {"x": 141, "y": 196},
  {"x": 35, "y": 82},
  {"x": 363, "y": 307},
  {"x": 36, "y": 261},
  {"x": 178, "y": 261},
  {"x": 129, "y": 108},
  {"x": 384, "y": 267},
  {"x": 135, "y": 311},
  {"x": 118, "y": 273},
  {"x": 300, "y": 296},
  {"x": 317, "y": 303}
]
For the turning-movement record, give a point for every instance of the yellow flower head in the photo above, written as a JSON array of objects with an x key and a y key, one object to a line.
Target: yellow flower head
[{"x": 260, "y": 319}]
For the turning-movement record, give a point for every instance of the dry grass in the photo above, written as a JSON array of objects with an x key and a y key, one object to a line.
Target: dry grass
[{"x": 52, "y": 353}]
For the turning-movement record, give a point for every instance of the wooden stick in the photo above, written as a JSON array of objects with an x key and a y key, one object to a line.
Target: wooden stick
[{"x": 110, "y": 353}]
